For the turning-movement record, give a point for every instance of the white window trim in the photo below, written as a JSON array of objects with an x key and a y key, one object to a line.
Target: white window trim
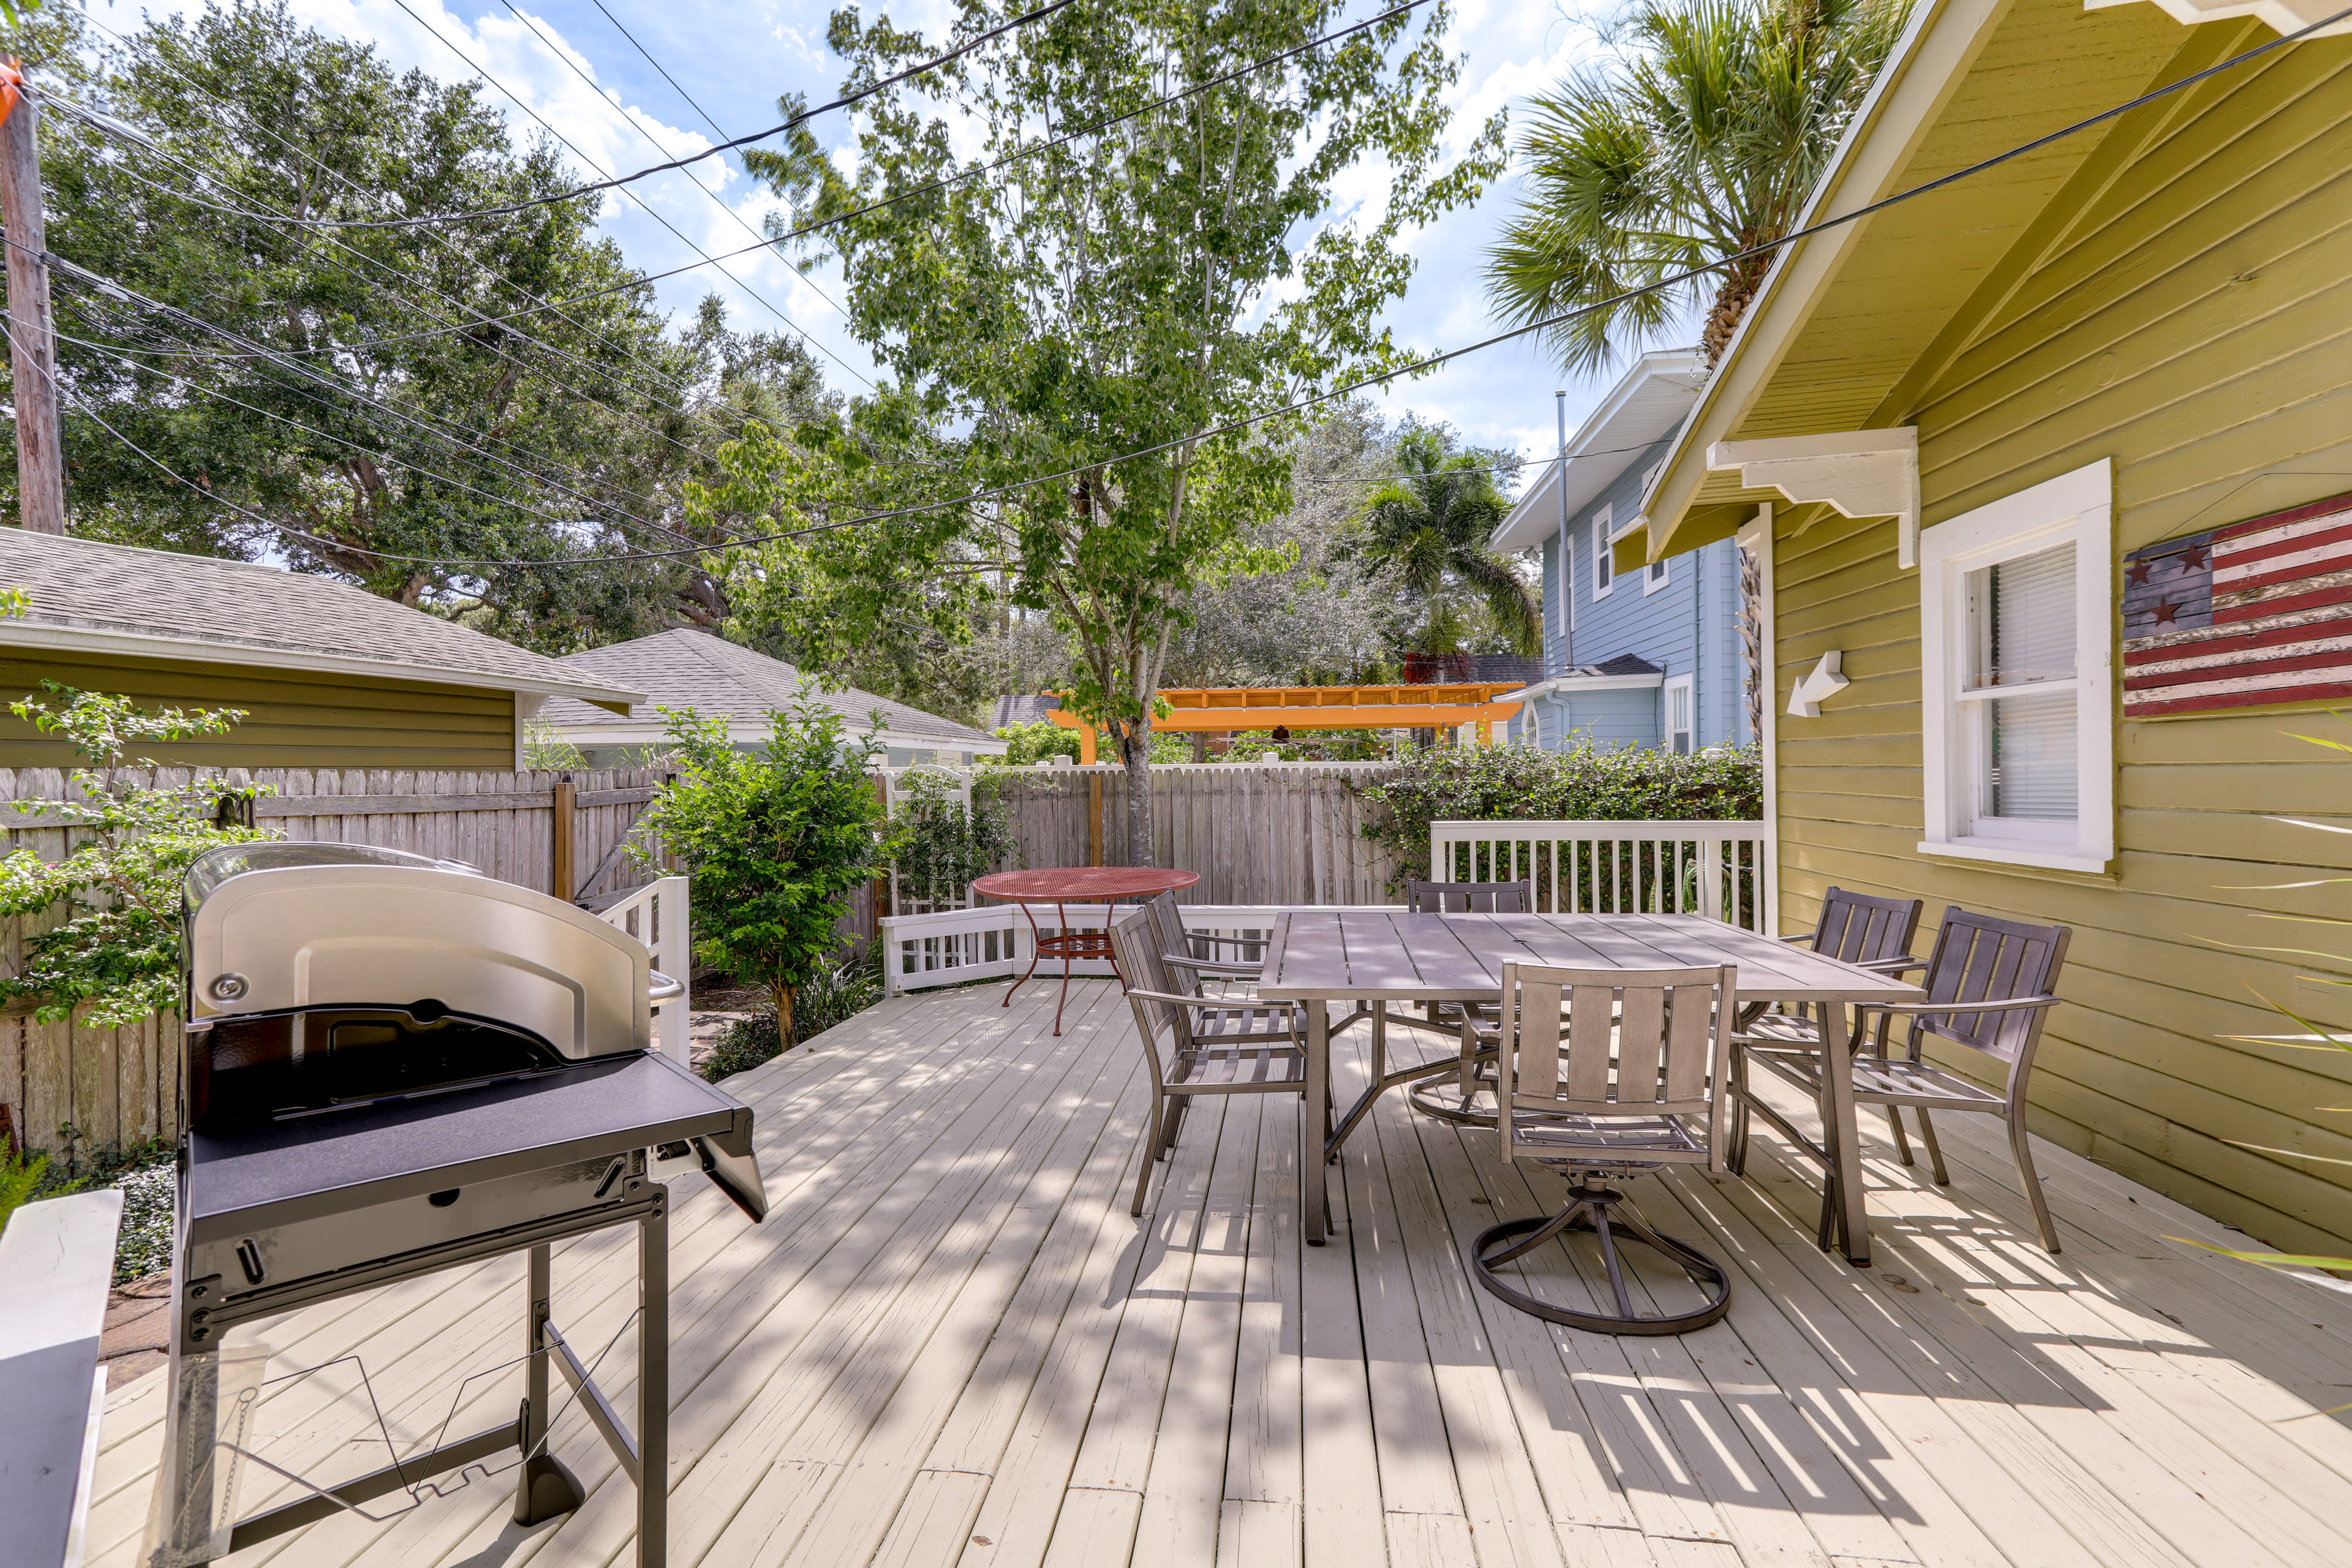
[
  {"x": 1654, "y": 575},
  {"x": 2076, "y": 508},
  {"x": 1685, "y": 685},
  {"x": 1601, "y": 541}
]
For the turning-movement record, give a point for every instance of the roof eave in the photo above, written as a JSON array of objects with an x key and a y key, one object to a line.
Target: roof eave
[{"x": 41, "y": 634}]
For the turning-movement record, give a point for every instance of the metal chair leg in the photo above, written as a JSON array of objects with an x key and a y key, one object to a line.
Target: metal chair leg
[
  {"x": 1736, "y": 1157},
  {"x": 1934, "y": 1151},
  {"x": 2025, "y": 1173},
  {"x": 1151, "y": 1147},
  {"x": 1894, "y": 1125}
]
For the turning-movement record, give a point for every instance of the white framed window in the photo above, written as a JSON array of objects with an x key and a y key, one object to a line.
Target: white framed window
[
  {"x": 1602, "y": 567},
  {"x": 1653, "y": 577},
  {"x": 1675, "y": 721},
  {"x": 2017, "y": 669}
]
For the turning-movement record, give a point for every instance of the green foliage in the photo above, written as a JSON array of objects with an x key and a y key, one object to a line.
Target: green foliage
[
  {"x": 1132, "y": 289},
  {"x": 838, "y": 994},
  {"x": 1425, "y": 532},
  {"x": 942, "y": 843},
  {"x": 115, "y": 953},
  {"x": 1505, "y": 784},
  {"x": 414, "y": 399},
  {"x": 1034, "y": 743},
  {"x": 546, "y": 747},
  {"x": 1701, "y": 137},
  {"x": 1309, "y": 746},
  {"x": 776, "y": 840},
  {"x": 20, "y": 1178}
]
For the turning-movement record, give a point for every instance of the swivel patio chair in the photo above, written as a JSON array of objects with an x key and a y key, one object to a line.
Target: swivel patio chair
[
  {"x": 1213, "y": 1047},
  {"x": 1989, "y": 986},
  {"x": 1864, "y": 930},
  {"x": 1453, "y": 1019},
  {"x": 1598, "y": 1117}
]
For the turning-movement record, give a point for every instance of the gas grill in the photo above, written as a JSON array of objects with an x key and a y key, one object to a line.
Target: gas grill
[{"x": 395, "y": 1065}]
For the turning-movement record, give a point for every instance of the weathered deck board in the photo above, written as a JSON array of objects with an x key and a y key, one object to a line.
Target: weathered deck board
[{"x": 950, "y": 1345}]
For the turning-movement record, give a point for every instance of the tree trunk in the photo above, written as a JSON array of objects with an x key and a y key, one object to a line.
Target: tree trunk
[
  {"x": 1136, "y": 756},
  {"x": 1731, "y": 301},
  {"x": 781, "y": 994},
  {"x": 1751, "y": 639}
]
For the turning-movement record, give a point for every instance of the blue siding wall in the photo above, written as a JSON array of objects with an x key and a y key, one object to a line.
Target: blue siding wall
[{"x": 1688, "y": 627}]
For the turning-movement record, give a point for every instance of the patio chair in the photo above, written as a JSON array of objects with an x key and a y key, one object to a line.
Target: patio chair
[
  {"x": 1565, "y": 1108},
  {"x": 1989, "y": 988},
  {"x": 1451, "y": 1019},
  {"x": 1213, "y": 1047},
  {"x": 1862, "y": 929},
  {"x": 1181, "y": 949}
]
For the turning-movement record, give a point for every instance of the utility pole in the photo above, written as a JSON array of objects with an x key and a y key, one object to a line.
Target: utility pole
[{"x": 32, "y": 349}]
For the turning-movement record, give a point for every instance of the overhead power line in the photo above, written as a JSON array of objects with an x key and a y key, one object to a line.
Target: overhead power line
[
  {"x": 1672, "y": 280},
  {"x": 616, "y": 182},
  {"x": 926, "y": 188}
]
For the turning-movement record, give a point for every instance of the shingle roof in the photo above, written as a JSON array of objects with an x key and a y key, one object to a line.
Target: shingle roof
[
  {"x": 689, "y": 668},
  {"x": 209, "y": 608}
]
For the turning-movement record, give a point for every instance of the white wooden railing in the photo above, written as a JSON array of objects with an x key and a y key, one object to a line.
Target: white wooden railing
[
  {"x": 955, "y": 947},
  {"x": 1724, "y": 869},
  {"x": 656, "y": 914}
]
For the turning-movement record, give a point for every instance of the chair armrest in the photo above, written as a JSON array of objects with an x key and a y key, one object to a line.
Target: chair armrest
[
  {"x": 1807, "y": 938},
  {"x": 1902, "y": 965},
  {"x": 1211, "y": 966},
  {"x": 2001, "y": 1007},
  {"x": 1228, "y": 941},
  {"x": 1211, "y": 1003}
]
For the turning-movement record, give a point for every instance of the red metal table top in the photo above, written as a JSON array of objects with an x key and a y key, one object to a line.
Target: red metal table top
[{"x": 1082, "y": 884}]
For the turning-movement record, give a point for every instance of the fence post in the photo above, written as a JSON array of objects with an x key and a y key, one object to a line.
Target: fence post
[
  {"x": 560, "y": 857},
  {"x": 1094, "y": 819}
]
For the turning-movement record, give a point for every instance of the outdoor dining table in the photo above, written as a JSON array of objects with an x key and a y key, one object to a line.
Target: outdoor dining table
[
  {"x": 1064, "y": 885},
  {"x": 1376, "y": 956}
]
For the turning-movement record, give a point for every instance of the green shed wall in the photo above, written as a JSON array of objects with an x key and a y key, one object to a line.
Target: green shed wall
[
  {"x": 293, "y": 719},
  {"x": 2183, "y": 308}
]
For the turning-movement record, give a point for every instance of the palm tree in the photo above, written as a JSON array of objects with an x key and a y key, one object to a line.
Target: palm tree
[
  {"x": 1427, "y": 529},
  {"x": 1701, "y": 137}
]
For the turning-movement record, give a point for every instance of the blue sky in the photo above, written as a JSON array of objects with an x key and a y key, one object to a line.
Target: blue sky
[{"x": 572, "y": 63}]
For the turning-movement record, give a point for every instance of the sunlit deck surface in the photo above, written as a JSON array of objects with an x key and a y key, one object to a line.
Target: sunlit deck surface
[{"x": 950, "y": 1343}]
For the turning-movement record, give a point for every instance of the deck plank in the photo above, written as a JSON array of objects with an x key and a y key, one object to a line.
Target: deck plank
[{"x": 951, "y": 1345}]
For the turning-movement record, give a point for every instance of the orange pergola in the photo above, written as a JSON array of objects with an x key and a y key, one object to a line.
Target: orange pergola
[{"x": 1229, "y": 707}]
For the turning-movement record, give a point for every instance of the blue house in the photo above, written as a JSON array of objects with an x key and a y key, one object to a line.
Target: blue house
[{"x": 1647, "y": 659}]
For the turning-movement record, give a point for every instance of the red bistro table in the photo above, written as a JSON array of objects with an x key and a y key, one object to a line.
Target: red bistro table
[{"x": 1060, "y": 885}]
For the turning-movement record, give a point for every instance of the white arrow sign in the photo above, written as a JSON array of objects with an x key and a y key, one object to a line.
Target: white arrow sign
[{"x": 1825, "y": 681}]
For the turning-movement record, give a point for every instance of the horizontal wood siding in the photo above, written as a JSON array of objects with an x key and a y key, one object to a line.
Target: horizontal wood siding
[
  {"x": 2185, "y": 311},
  {"x": 293, "y": 719}
]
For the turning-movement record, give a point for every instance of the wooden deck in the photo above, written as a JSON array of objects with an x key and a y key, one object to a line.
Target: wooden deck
[{"x": 950, "y": 1343}]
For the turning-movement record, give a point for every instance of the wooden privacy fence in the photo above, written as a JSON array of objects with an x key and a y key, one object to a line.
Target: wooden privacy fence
[
  {"x": 554, "y": 832},
  {"x": 1274, "y": 834}
]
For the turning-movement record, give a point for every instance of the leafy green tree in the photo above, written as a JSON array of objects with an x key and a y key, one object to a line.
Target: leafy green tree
[
  {"x": 1425, "y": 533},
  {"x": 113, "y": 954},
  {"x": 775, "y": 840},
  {"x": 1163, "y": 272},
  {"x": 1034, "y": 743},
  {"x": 1700, "y": 137},
  {"x": 374, "y": 397}
]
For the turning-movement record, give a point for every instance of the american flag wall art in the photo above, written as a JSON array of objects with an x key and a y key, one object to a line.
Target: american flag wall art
[{"x": 2254, "y": 613}]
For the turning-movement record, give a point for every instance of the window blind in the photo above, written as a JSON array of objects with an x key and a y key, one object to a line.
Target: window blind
[{"x": 2025, "y": 635}]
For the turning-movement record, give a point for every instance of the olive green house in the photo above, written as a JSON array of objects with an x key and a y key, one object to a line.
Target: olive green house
[
  {"x": 2048, "y": 471},
  {"x": 329, "y": 675}
]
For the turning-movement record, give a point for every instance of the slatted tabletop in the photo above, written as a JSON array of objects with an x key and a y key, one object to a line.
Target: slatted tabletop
[{"x": 1388, "y": 955}]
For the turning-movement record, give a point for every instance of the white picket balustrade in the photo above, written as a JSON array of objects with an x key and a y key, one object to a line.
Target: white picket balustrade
[
  {"x": 656, "y": 914},
  {"x": 956, "y": 947},
  {"x": 1724, "y": 869}
]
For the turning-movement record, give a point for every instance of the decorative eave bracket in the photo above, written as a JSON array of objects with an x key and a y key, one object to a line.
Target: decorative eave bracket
[
  {"x": 2282, "y": 16},
  {"x": 1862, "y": 473}
]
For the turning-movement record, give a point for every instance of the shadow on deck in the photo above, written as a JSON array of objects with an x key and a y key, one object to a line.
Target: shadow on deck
[{"x": 951, "y": 1343}]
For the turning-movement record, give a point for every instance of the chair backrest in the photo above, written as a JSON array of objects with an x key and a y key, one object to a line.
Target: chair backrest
[
  {"x": 1672, "y": 1033},
  {"x": 1135, "y": 940},
  {"x": 1979, "y": 958},
  {"x": 1470, "y": 898},
  {"x": 1173, "y": 943},
  {"x": 1862, "y": 927}
]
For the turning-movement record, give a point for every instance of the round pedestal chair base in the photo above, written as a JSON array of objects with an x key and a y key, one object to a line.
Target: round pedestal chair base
[
  {"x": 1594, "y": 1210},
  {"x": 1442, "y": 1099}
]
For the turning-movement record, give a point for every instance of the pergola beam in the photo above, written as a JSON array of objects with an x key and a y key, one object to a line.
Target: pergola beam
[{"x": 1222, "y": 709}]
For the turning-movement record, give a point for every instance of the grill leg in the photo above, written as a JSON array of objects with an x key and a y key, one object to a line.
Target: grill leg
[
  {"x": 547, "y": 1488},
  {"x": 652, "y": 1389}
]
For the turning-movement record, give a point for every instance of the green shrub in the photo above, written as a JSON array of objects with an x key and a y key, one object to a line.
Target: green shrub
[
  {"x": 1034, "y": 743},
  {"x": 1525, "y": 783},
  {"x": 843, "y": 993},
  {"x": 943, "y": 845}
]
